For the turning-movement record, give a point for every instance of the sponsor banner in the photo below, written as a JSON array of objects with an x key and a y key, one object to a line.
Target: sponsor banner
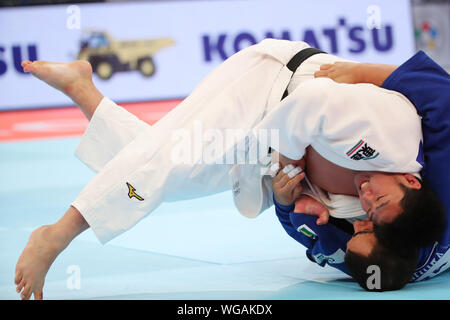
[
  {"x": 432, "y": 31},
  {"x": 158, "y": 51}
]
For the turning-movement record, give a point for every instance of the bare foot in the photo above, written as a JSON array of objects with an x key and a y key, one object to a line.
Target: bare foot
[
  {"x": 62, "y": 76},
  {"x": 306, "y": 204},
  {"x": 35, "y": 261},
  {"x": 73, "y": 79}
]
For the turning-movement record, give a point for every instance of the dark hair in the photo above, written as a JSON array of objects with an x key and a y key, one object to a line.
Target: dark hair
[
  {"x": 421, "y": 224},
  {"x": 396, "y": 268}
]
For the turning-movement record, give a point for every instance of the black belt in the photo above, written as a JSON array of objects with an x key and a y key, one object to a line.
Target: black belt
[
  {"x": 298, "y": 59},
  {"x": 295, "y": 62}
]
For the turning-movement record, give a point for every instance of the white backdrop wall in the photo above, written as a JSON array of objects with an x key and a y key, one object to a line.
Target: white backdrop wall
[{"x": 204, "y": 34}]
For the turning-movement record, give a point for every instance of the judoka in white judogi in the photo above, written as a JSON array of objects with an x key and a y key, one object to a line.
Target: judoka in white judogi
[{"x": 138, "y": 167}]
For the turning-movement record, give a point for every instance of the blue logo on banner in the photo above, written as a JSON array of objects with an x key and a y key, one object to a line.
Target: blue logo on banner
[
  {"x": 225, "y": 45},
  {"x": 17, "y": 57}
]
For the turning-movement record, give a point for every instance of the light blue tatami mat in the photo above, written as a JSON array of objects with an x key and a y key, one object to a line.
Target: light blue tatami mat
[{"x": 199, "y": 249}]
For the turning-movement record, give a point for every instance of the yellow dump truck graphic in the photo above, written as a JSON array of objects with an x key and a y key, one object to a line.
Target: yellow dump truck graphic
[{"x": 108, "y": 55}]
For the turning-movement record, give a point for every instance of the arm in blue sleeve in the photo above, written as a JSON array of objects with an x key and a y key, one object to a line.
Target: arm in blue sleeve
[
  {"x": 282, "y": 213},
  {"x": 325, "y": 244},
  {"x": 423, "y": 82},
  {"x": 427, "y": 86}
]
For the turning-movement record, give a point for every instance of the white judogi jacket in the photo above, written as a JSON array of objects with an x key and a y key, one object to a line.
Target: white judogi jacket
[
  {"x": 359, "y": 127},
  {"x": 139, "y": 166}
]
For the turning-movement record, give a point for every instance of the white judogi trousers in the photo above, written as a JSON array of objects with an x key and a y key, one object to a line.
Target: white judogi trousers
[{"x": 137, "y": 164}]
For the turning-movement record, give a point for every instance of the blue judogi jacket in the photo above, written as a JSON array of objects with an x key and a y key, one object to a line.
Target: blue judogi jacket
[
  {"x": 427, "y": 86},
  {"x": 326, "y": 244}
]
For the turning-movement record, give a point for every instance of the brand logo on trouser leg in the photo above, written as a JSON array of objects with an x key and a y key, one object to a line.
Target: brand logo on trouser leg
[{"x": 132, "y": 193}]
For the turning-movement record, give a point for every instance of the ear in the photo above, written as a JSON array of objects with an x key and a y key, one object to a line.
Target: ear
[{"x": 412, "y": 182}]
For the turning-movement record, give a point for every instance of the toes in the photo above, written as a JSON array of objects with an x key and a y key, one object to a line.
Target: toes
[
  {"x": 18, "y": 278},
  {"x": 20, "y": 286},
  {"x": 38, "y": 295},
  {"x": 27, "y": 65},
  {"x": 26, "y": 294}
]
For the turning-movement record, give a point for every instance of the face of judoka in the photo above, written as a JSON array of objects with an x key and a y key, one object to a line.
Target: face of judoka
[
  {"x": 363, "y": 240},
  {"x": 381, "y": 193}
]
